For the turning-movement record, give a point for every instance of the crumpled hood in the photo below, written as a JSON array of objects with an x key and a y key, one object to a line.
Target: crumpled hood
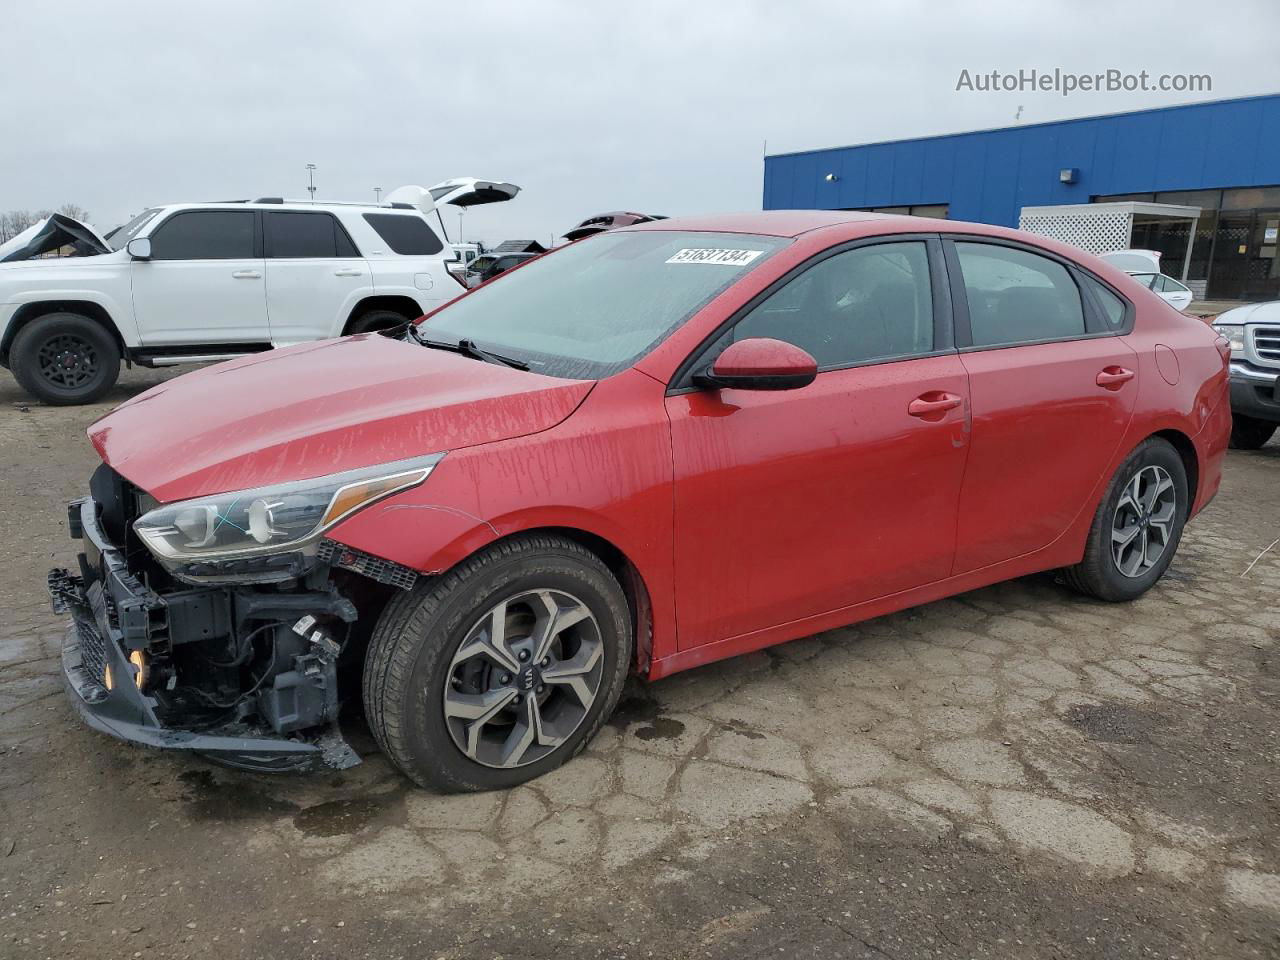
[
  {"x": 320, "y": 408},
  {"x": 53, "y": 232}
]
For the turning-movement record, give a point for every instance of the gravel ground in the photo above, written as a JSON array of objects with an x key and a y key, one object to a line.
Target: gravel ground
[{"x": 1015, "y": 772}]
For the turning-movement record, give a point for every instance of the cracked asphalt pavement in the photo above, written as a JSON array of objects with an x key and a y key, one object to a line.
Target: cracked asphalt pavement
[{"x": 1015, "y": 772}]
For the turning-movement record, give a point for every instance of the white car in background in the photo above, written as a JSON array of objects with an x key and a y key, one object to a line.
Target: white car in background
[
  {"x": 1169, "y": 290},
  {"x": 193, "y": 282},
  {"x": 1144, "y": 266}
]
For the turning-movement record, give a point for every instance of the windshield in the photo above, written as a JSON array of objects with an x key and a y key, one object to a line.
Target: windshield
[
  {"x": 120, "y": 236},
  {"x": 593, "y": 308}
]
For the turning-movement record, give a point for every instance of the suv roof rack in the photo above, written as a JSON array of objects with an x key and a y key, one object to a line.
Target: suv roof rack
[
  {"x": 384, "y": 205},
  {"x": 330, "y": 203}
]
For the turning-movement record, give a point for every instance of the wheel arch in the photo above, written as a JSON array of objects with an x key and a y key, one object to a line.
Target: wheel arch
[
  {"x": 622, "y": 567},
  {"x": 29, "y": 312},
  {"x": 406, "y": 306},
  {"x": 1186, "y": 451}
]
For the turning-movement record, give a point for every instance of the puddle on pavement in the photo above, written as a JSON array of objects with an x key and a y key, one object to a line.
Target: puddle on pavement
[
  {"x": 210, "y": 799},
  {"x": 642, "y": 710},
  {"x": 335, "y": 818},
  {"x": 741, "y": 729}
]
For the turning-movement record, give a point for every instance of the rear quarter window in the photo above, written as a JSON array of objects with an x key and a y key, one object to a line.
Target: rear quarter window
[
  {"x": 405, "y": 233},
  {"x": 1113, "y": 308}
]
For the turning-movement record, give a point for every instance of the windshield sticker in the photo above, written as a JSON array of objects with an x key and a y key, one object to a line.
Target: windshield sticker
[{"x": 731, "y": 258}]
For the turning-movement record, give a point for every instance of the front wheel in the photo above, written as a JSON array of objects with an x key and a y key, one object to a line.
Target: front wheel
[
  {"x": 1137, "y": 527},
  {"x": 1249, "y": 433},
  {"x": 500, "y": 670},
  {"x": 65, "y": 358}
]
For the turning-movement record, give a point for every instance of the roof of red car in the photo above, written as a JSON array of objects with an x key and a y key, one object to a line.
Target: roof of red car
[{"x": 786, "y": 223}]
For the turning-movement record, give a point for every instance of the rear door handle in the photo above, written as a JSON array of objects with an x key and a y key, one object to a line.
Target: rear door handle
[
  {"x": 1114, "y": 377},
  {"x": 247, "y": 275},
  {"x": 348, "y": 272},
  {"x": 932, "y": 405}
]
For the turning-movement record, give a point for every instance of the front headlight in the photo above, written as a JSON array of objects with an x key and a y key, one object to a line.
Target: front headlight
[
  {"x": 268, "y": 520},
  {"x": 1234, "y": 332}
]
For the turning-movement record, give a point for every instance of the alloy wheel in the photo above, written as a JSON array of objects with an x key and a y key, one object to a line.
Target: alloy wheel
[
  {"x": 67, "y": 361},
  {"x": 524, "y": 678},
  {"x": 1143, "y": 523}
]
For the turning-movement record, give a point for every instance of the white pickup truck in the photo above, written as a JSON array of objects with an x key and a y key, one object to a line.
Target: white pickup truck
[{"x": 194, "y": 282}]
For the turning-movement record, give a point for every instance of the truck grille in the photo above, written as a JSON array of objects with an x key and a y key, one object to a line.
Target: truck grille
[{"x": 1266, "y": 345}]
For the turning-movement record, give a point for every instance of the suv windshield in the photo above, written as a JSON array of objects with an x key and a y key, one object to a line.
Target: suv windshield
[
  {"x": 597, "y": 306},
  {"x": 120, "y": 236}
]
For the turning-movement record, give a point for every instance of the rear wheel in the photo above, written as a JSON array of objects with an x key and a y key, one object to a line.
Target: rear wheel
[
  {"x": 500, "y": 670},
  {"x": 1249, "y": 433},
  {"x": 377, "y": 320},
  {"x": 65, "y": 358},
  {"x": 1137, "y": 527}
]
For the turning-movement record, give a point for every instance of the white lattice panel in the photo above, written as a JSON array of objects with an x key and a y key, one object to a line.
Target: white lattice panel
[{"x": 1099, "y": 232}]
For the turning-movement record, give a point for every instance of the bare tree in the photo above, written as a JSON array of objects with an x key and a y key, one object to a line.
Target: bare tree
[
  {"x": 13, "y": 222},
  {"x": 74, "y": 211}
]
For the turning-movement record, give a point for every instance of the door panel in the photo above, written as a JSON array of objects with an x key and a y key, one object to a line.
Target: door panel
[
  {"x": 314, "y": 275},
  {"x": 1044, "y": 432},
  {"x": 204, "y": 283},
  {"x": 794, "y": 503}
]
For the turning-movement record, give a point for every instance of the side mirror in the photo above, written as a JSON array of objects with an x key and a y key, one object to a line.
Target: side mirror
[
  {"x": 760, "y": 363},
  {"x": 139, "y": 248}
]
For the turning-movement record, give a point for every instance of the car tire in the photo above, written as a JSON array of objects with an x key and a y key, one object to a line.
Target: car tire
[
  {"x": 65, "y": 358},
  {"x": 436, "y": 663},
  {"x": 1138, "y": 505},
  {"x": 375, "y": 320},
  {"x": 1249, "y": 433}
]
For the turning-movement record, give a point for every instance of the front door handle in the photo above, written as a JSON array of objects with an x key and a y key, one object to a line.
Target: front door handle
[
  {"x": 932, "y": 405},
  {"x": 247, "y": 275},
  {"x": 1114, "y": 377},
  {"x": 348, "y": 272}
]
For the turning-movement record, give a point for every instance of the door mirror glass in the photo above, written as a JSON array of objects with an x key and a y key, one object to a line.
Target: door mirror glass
[
  {"x": 139, "y": 248},
  {"x": 760, "y": 363}
]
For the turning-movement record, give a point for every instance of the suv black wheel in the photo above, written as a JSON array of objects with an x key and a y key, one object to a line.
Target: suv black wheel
[
  {"x": 1249, "y": 433},
  {"x": 376, "y": 320},
  {"x": 500, "y": 670},
  {"x": 65, "y": 358},
  {"x": 1137, "y": 527}
]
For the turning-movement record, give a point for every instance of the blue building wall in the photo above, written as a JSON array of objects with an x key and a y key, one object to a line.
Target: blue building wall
[{"x": 990, "y": 175}]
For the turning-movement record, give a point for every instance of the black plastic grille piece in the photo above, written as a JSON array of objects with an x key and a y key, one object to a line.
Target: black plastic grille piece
[
  {"x": 93, "y": 654},
  {"x": 366, "y": 564}
]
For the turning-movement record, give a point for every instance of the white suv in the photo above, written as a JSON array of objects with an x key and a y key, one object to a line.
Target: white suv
[{"x": 193, "y": 282}]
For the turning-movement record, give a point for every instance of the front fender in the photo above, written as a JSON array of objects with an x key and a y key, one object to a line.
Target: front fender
[
  {"x": 605, "y": 471},
  {"x": 117, "y": 306}
]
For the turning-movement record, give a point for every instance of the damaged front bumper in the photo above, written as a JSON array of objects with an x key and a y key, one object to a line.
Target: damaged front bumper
[{"x": 136, "y": 661}]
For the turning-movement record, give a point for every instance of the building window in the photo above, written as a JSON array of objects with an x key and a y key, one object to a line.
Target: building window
[{"x": 937, "y": 211}]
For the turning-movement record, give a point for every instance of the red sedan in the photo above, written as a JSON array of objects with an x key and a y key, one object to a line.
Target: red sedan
[{"x": 649, "y": 450}]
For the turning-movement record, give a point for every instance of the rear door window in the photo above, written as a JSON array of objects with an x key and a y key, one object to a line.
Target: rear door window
[
  {"x": 405, "y": 233},
  {"x": 306, "y": 235},
  {"x": 205, "y": 235},
  {"x": 1015, "y": 296}
]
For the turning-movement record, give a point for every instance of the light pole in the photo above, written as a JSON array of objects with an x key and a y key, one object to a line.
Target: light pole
[
  {"x": 311, "y": 180},
  {"x": 377, "y": 194}
]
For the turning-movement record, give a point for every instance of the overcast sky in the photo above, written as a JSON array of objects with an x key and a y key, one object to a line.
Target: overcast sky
[{"x": 590, "y": 106}]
